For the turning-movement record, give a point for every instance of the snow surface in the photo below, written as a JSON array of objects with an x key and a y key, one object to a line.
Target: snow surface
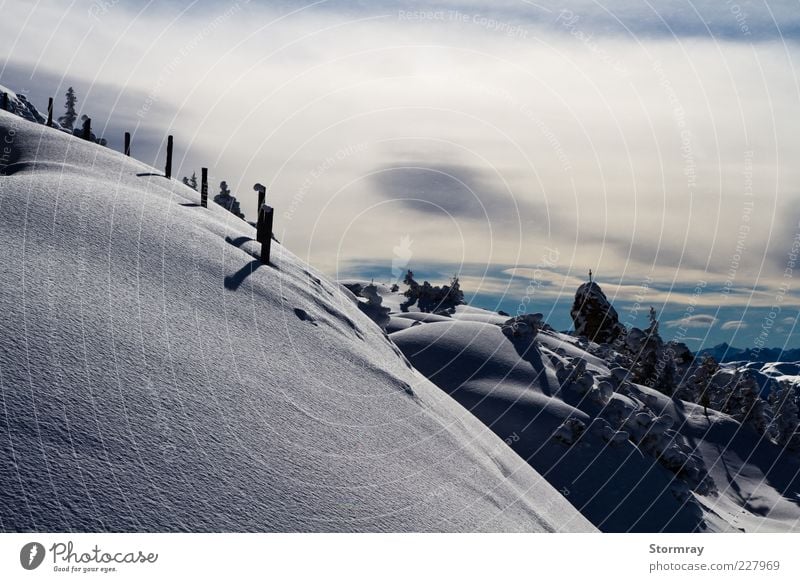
[
  {"x": 155, "y": 377},
  {"x": 628, "y": 457}
]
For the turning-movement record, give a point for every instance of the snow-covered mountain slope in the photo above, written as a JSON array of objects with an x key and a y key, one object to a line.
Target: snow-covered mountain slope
[
  {"x": 627, "y": 456},
  {"x": 155, "y": 376}
]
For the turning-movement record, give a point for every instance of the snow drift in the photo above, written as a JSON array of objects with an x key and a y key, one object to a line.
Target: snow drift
[{"x": 156, "y": 377}]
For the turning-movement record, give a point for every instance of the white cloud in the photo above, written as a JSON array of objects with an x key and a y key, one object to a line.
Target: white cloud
[
  {"x": 734, "y": 325},
  {"x": 693, "y": 321}
]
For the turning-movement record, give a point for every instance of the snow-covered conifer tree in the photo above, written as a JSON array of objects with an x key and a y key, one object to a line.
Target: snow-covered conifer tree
[
  {"x": 227, "y": 200},
  {"x": 67, "y": 120},
  {"x": 695, "y": 386},
  {"x": 191, "y": 182},
  {"x": 786, "y": 415}
]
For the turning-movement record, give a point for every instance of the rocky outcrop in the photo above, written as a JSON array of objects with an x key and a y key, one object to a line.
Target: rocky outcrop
[{"x": 593, "y": 315}]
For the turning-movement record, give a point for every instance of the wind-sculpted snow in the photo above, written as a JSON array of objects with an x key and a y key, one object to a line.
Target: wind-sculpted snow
[
  {"x": 155, "y": 376},
  {"x": 627, "y": 456}
]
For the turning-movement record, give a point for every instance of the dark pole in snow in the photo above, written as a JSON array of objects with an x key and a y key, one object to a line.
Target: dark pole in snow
[
  {"x": 260, "y": 224},
  {"x": 204, "y": 187},
  {"x": 264, "y": 231},
  {"x": 4, "y": 101},
  {"x": 168, "y": 169},
  {"x": 87, "y": 128},
  {"x": 50, "y": 113},
  {"x": 127, "y": 144},
  {"x": 262, "y": 194}
]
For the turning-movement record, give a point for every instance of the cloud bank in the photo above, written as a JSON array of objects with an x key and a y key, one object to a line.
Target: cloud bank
[{"x": 647, "y": 142}]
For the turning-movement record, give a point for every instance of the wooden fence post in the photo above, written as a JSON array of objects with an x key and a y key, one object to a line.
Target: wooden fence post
[
  {"x": 262, "y": 195},
  {"x": 87, "y": 128},
  {"x": 168, "y": 169},
  {"x": 50, "y": 113},
  {"x": 4, "y": 101},
  {"x": 204, "y": 187},
  {"x": 264, "y": 231},
  {"x": 127, "y": 144}
]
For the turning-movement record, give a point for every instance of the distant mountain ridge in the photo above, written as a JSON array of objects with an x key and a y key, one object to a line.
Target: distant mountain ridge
[{"x": 727, "y": 353}]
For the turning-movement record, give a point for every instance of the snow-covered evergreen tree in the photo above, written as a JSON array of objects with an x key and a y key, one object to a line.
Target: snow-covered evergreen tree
[
  {"x": 454, "y": 295},
  {"x": 720, "y": 389},
  {"x": 373, "y": 307},
  {"x": 426, "y": 300},
  {"x": 752, "y": 409},
  {"x": 737, "y": 393},
  {"x": 430, "y": 298},
  {"x": 667, "y": 373},
  {"x": 695, "y": 386},
  {"x": 227, "y": 200},
  {"x": 67, "y": 120},
  {"x": 682, "y": 357},
  {"x": 653, "y": 362},
  {"x": 412, "y": 284},
  {"x": 644, "y": 347},
  {"x": 786, "y": 415},
  {"x": 191, "y": 182}
]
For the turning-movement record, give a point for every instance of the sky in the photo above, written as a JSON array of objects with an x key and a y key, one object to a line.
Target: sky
[{"x": 516, "y": 144}]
